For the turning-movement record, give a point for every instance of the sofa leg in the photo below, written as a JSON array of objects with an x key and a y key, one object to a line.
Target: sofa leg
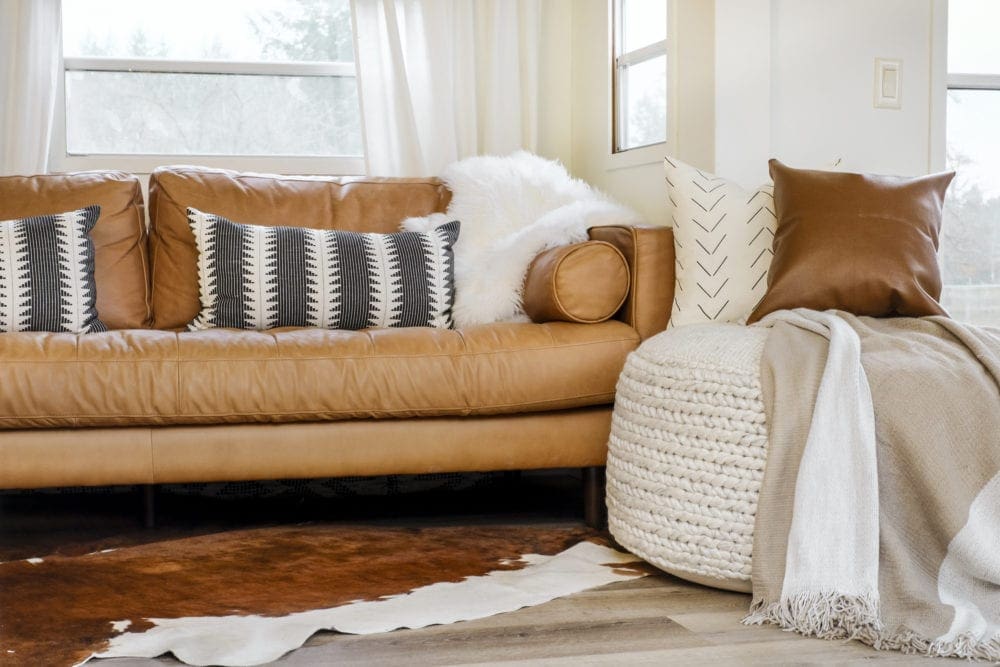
[
  {"x": 593, "y": 497},
  {"x": 148, "y": 505}
]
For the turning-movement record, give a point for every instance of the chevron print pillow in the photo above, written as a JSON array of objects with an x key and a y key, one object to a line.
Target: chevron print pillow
[
  {"x": 256, "y": 277},
  {"x": 722, "y": 237},
  {"x": 47, "y": 273}
]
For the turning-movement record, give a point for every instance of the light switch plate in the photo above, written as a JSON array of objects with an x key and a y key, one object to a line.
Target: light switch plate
[{"x": 888, "y": 83}]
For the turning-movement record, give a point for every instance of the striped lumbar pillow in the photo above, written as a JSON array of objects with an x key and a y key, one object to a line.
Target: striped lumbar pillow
[
  {"x": 256, "y": 277},
  {"x": 47, "y": 273}
]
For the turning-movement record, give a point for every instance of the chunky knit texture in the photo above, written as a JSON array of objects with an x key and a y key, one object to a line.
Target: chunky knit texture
[{"x": 687, "y": 452}]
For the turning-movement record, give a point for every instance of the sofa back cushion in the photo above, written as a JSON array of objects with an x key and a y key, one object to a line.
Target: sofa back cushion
[
  {"x": 358, "y": 204},
  {"x": 119, "y": 236}
]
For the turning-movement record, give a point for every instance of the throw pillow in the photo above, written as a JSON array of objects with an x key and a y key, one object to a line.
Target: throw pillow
[
  {"x": 257, "y": 277},
  {"x": 512, "y": 208},
  {"x": 47, "y": 273},
  {"x": 722, "y": 242},
  {"x": 585, "y": 283},
  {"x": 860, "y": 243}
]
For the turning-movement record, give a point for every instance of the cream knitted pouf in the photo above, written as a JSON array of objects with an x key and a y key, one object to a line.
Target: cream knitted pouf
[{"x": 687, "y": 451}]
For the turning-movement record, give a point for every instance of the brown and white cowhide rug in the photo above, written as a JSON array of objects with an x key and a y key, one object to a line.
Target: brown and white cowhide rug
[{"x": 247, "y": 597}]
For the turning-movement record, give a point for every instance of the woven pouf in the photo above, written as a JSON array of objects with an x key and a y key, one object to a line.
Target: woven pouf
[{"x": 687, "y": 451}]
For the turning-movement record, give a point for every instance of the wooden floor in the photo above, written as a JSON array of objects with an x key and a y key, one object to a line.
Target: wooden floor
[
  {"x": 653, "y": 621},
  {"x": 657, "y": 620}
]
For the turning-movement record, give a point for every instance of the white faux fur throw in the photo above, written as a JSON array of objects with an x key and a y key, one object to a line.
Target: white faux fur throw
[{"x": 512, "y": 208}]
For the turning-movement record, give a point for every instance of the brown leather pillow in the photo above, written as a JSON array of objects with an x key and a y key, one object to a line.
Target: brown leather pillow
[
  {"x": 584, "y": 282},
  {"x": 854, "y": 242}
]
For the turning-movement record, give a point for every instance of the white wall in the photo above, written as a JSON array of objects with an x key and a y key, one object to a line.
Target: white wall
[
  {"x": 792, "y": 79},
  {"x": 811, "y": 65},
  {"x": 636, "y": 178},
  {"x": 822, "y": 86},
  {"x": 742, "y": 89},
  {"x": 555, "y": 99}
]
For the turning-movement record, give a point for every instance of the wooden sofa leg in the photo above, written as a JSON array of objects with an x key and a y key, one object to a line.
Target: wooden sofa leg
[
  {"x": 148, "y": 505},
  {"x": 593, "y": 497}
]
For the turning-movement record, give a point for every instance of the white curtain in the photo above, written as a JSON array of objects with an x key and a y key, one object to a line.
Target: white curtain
[
  {"x": 30, "y": 66},
  {"x": 440, "y": 80}
]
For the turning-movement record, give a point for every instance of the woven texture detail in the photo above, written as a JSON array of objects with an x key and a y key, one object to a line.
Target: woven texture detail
[{"x": 687, "y": 451}]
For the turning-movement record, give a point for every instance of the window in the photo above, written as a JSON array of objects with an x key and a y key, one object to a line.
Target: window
[
  {"x": 970, "y": 244},
  {"x": 256, "y": 84},
  {"x": 639, "y": 73}
]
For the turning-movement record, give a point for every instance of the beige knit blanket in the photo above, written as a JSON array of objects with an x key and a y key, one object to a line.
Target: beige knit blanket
[{"x": 879, "y": 513}]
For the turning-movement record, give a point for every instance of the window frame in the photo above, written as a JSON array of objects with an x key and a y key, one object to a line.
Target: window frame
[
  {"x": 957, "y": 81},
  {"x": 943, "y": 81},
  {"x": 952, "y": 81},
  {"x": 620, "y": 61},
  {"x": 143, "y": 163}
]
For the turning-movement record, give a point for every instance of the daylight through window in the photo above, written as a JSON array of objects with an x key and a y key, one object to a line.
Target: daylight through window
[
  {"x": 219, "y": 78},
  {"x": 639, "y": 81},
  {"x": 970, "y": 245}
]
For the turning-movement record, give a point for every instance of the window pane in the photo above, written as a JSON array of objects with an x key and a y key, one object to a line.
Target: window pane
[
  {"x": 970, "y": 243},
  {"x": 644, "y": 22},
  {"x": 273, "y": 30},
  {"x": 973, "y": 45},
  {"x": 211, "y": 114},
  {"x": 645, "y": 103}
]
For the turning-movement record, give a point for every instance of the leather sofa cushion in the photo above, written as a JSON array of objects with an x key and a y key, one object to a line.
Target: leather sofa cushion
[
  {"x": 120, "y": 260},
  {"x": 583, "y": 282},
  {"x": 293, "y": 375},
  {"x": 359, "y": 204}
]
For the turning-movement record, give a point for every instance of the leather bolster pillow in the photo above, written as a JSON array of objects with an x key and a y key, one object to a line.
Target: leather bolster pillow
[{"x": 584, "y": 282}]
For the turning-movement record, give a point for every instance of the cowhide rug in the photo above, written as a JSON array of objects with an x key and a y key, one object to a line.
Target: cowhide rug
[{"x": 247, "y": 597}]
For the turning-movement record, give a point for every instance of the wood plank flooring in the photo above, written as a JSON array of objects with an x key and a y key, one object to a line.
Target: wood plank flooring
[{"x": 657, "y": 620}]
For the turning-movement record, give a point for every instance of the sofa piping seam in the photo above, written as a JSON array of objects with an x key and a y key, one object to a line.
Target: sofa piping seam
[
  {"x": 457, "y": 410},
  {"x": 199, "y": 360}
]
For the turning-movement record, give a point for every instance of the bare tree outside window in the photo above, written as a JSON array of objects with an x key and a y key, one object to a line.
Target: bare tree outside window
[
  {"x": 970, "y": 240},
  {"x": 639, "y": 80},
  {"x": 224, "y": 77}
]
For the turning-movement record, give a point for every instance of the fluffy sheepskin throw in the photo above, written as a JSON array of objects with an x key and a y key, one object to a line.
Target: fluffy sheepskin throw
[{"x": 512, "y": 208}]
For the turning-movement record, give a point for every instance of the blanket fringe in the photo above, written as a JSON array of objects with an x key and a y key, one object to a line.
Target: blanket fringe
[
  {"x": 828, "y": 615},
  {"x": 963, "y": 646}
]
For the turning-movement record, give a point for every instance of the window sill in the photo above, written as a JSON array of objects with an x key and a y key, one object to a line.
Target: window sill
[
  {"x": 636, "y": 157},
  {"x": 145, "y": 164}
]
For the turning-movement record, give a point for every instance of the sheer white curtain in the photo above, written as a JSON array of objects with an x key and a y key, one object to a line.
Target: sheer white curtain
[
  {"x": 30, "y": 66},
  {"x": 440, "y": 80}
]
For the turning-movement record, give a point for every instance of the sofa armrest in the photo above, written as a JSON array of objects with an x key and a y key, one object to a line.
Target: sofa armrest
[{"x": 649, "y": 252}]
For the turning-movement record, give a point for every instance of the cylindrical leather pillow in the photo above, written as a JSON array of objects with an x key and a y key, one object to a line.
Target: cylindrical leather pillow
[{"x": 584, "y": 282}]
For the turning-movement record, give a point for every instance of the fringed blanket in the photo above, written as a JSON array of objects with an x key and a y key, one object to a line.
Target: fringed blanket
[{"x": 879, "y": 514}]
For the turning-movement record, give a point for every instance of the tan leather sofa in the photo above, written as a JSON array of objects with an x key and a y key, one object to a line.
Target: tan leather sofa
[{"x": 150, "y": 403}]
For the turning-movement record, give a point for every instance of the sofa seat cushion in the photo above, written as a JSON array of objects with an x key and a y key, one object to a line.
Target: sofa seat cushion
[
  {"x": 350, "y": 203},
  {"x": 146, "y": 377}
]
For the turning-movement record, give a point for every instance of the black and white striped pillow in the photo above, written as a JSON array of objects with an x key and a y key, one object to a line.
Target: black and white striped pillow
[
  {"x": 256, "y": 277},
  {"x": 47, "y": 273}
]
